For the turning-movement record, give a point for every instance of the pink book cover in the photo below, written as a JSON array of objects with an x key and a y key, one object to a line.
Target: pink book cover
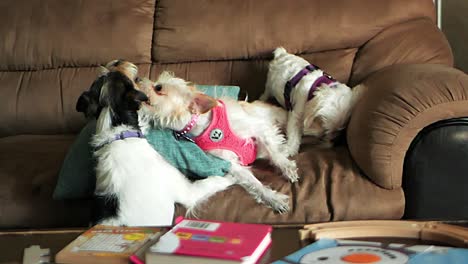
[{"x": 225, "y": 240}]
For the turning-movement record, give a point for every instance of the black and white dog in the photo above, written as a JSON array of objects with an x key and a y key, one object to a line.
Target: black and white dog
[{"x": 129, "y": 170}]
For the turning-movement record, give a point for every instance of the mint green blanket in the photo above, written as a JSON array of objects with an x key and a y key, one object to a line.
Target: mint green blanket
[{"x": 186, "y": 156}]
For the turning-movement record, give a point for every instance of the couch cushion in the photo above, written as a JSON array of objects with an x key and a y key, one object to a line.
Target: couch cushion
[
  {"x": 225, "y": 29},
  {"x": 412, "y": 42},
  {"x": 401, "y": 101},
  {"x": 331, "y": 188},
  {"x": 43, "y": 102},
  {"x": 56, "y": 33},
  {"x": 29, "y": 167},
  {"x": 250, "y": 75}
]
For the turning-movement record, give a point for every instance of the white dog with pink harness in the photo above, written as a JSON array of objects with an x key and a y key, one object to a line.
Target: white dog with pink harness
[{"x": 237, "y": 131}]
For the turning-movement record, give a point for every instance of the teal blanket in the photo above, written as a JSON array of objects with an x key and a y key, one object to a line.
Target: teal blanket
[{"x": 186, "y": 156}]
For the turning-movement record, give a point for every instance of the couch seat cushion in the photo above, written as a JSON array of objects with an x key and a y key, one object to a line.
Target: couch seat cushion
[
  {"x": 331, "y": 188},
  {"x": 29, "y": 166}
]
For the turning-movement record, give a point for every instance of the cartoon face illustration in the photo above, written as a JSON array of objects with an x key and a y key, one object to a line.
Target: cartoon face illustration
[
  {"x": 355, "y": 254},
  {"x": 216, "y": 135}
]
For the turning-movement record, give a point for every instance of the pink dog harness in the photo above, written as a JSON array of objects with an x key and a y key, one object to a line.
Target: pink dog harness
[{"x": 219, "y": 135}]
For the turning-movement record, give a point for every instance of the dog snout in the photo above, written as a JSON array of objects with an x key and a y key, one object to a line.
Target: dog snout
[{"x": 142, "y": 97}]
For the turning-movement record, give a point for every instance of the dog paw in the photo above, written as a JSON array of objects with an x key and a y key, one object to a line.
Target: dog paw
[
  {"x": 230, "y": 179},
  {"x": 280, "y": 203},
  {"x": 110, "y": 222},
  {"x": 291, "y": 151},
  {"x": 290, "y": 171}
]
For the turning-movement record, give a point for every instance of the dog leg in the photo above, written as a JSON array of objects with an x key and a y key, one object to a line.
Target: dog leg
[
  {"x": 267, "y": 92},
  {"x": 265, "y": 96},
  {"x": 262, "y": 194},
  {"x": 294, "y": 132},
  {"x": 195, "y": 193},
  {"x": 272, "y": 142}
]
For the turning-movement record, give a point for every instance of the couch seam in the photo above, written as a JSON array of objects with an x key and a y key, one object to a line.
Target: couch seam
[
  {"x": 18, "y": 90},
  {"x": 153, "y": 34},
  {"x": 61, "y": 97},
  {"x": 258, "y": 58},
  {"x": 181, "y": 62},
  {"x": 63, "y": 67},
  {"x": 404, "y": 128}
]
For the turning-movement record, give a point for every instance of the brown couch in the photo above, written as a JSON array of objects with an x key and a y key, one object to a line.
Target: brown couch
[{"x": 50, "y": 52}]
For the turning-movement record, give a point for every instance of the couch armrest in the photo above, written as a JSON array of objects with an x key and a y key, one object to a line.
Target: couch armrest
[{"x": 400, "y": 101}]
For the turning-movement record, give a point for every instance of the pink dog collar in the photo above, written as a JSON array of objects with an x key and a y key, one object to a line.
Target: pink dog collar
[
  {"x": 219, "y": 135},
  {"x": 183, "y": 133}
]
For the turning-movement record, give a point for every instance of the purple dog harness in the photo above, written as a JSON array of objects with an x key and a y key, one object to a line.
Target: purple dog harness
[{"x": 324, "y": 79}]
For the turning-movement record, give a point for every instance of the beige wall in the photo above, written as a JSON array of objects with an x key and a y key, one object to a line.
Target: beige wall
[{"x": 455, "y": 27}]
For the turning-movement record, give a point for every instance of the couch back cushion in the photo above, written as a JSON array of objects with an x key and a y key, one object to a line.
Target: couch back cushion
[
  {"x": 51, "y": 49},
  {"x": 56, "y": 33},
  {"x": 248, "y": 29},
  {"x": 231, "y": 42}
]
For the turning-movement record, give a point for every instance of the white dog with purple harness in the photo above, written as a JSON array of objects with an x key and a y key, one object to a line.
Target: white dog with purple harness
[{"x": 318, "y": 105}]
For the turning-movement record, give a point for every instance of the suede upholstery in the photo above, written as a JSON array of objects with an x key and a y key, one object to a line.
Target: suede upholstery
[
  {"x": 51, "y": 51},
  {"x": 402, "y": 101}
]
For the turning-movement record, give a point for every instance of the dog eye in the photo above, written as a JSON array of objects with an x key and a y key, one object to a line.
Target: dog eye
[
  {"x": 138, "y": 79},
  {"x": 158, "y": 87}
]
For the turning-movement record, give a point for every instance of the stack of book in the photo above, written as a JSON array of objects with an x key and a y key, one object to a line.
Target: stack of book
[
  {"x": 108, "y": 244},
  {"x": 197, "y": 241},
  {"x": 188, "y": 241}
]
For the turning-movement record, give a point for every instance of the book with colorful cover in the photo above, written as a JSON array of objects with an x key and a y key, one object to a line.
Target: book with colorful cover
[
  {"x": 107, "y": 244},
  {"x": 327, "y": 250},
  {"x": 200, "y": 241}
]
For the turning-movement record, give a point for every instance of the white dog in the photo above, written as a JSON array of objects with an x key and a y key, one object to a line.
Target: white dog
[
  {"x": 253, "y": 131},
  {"x": 128, "y": 168},
  {"x": 318, "y": 105}
]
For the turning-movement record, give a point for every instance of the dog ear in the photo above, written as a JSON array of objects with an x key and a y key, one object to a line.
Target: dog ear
[
  {"x": 202, "y": 103},
  {"x": 314, "y": 125},
  {"x": 103, "y": 70},
  {"x": 83, "y": 102}
]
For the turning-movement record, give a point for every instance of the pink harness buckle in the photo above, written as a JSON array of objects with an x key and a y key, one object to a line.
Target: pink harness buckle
[{"x": 219, "y": 135}]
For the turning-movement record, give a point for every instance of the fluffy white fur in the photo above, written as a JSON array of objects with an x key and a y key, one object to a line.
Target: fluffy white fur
[
  {"x": 322, "y": 117},
  {"x": 146, "y": 185},
  {"x": 173, "y": 105}
]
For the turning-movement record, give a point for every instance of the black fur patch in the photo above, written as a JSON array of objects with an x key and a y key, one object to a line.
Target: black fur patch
[
  {"x": 123, "y": 99},
  {"x": 105, "y": 207},
  {"x": 88, "y": 102}
]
